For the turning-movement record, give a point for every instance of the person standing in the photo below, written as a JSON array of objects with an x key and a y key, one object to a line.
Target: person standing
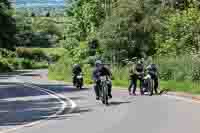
[{"x": 136, "y": 73}]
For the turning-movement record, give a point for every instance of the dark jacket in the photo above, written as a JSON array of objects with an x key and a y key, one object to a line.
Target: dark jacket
[
  {"x": 77, "y": 70},
  {"x": 139, "y": 67},
  {"x": 103, "y": 71}
]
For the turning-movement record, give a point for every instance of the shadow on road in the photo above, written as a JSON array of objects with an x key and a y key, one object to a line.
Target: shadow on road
[
  {"x": 116, "y": 103},
  {"x": 78, "y": 110},
  {"x": 20, "y": 112},
  {"x": 13, "y": 90},
  {"x": 11, "y": 74},
  {"x": 77, "y": 98},
  {"x": 61, "y": 88},
  {"x": 20, "y": 104},
  {"x": 30, "y": 74},
  {"x": 66, "y": 115}
]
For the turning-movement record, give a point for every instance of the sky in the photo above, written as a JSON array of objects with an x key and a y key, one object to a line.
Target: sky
[{"x": 38, "y": 3}]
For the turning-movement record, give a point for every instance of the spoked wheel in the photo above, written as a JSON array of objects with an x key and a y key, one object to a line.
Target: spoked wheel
[
  {"x": 148, "y": 85},
  {"x": 79, "y": 85},
  {"x": 104, "y": 94}
]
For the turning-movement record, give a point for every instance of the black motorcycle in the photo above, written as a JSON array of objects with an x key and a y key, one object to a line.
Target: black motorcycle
[
  {"x": 104, "y": 89},
  {"x": 79, "y": 81},
  {"x": 147, "y": 84}
]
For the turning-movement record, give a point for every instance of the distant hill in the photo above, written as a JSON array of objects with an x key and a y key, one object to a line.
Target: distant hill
[{"x": 39, "y": 3}]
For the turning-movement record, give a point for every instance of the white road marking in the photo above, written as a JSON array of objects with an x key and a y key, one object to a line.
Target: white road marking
[
  {"x": 73, "y": 105},
  {"x": 49, "y": 92}
]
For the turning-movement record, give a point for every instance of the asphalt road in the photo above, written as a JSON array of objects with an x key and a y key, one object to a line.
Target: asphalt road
[{"x": 128, "y": 114}]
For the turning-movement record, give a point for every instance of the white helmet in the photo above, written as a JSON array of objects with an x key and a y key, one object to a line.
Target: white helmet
[{"x": 98, "y": 62}]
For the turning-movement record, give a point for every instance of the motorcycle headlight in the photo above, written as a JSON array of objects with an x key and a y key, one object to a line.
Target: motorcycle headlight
[{"x": 79, "y": 77}]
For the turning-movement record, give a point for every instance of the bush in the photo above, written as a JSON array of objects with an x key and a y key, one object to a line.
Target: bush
[
  {"x": 54, "y": 57},
  {"x": 32, "y": 54},
  {"x": 180, "y": 68},
  {"x": 14, "y": 63},
  {"x": 196, "y": 69},
  {"x": 39, "y": 55},
  {"x": 26, "y": 64},
  {"x": 5, "y": 66},
  {"x": 7, "y": 53},
  {"x": 37, "y": 65},
  {"x": 61, "y": 70},
  {"x": 24, "y": 53},
  {"x": 87, "y": 71}
]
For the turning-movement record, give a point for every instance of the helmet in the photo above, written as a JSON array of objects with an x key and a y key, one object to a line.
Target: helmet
[
  {"x": 76, "y": 65},
  {"x": 141, "y": 61},
  {"x": 98, "y": 62}
]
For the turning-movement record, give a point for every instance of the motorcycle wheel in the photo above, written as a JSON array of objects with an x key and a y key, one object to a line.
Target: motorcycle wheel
[
  {"x": 150, "y": 87},
  {"x": 104, "y": 94}
]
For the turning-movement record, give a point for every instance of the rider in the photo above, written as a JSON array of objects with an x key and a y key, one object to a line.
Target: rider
[
  {"x": 135, "y": 74},
  {"x": 101, "y": 70},
  {"x": 76, "y": 71}
]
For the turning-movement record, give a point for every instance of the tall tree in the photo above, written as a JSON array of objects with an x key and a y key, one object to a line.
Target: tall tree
[
  {"x": 7, "y": 25},
  {"x": 129, "y": 30},
  {"x": 88, "y": 16}
]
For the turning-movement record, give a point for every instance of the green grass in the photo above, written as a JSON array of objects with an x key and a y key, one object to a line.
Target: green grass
[
  {"x": 62, "y": 71},
  {"x": 181, "y": 86},
  {"x": 120, "y": 83},
  {"x": 48, "y": 51},
  {"x": 57, "y": 51},
  {"x": 176, "y": 86}
]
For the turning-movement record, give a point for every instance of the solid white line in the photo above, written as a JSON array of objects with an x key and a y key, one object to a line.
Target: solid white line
[{"x": 51, "y": 93}]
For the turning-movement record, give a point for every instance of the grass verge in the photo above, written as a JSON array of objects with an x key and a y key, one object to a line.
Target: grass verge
[{"x": 176, "y": 86}]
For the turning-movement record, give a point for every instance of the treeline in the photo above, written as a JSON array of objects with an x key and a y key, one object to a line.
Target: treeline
[
  {"x": 127, "y": 28},
  {"x": 120, "y": 30},
  {"x": 7, "y": 25},
  {"x": 18, "y": 30},
  {"x": 41, "y": 11}
]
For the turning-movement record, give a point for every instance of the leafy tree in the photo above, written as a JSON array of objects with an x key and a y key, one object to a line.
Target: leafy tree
[
  {"x": 48, "y": 14},
  {"x": 34, "y": 31},
  {"x": 7, "y": 25},
  {"x": 181, "y": 33},
  {"x": 129, "y": 30},
  {"x": 87, "y": 16},
  {"x": 33, "y": 14}
]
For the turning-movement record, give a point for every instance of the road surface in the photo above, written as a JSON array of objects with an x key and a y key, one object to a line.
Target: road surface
[{"x": 21, "y": 105}]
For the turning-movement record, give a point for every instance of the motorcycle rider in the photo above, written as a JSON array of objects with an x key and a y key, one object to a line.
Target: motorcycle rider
[
  {"x": 76, "y": 71},
  {"x": 101, "y": 70},
  {"x": 136, "y": 73}
]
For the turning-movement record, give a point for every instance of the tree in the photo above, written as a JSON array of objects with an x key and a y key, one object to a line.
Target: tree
[
  {"x": 181, "y": 33},
  {"x": 129, "y": 30},
  {"x": 33, "y": 14},
  {"x": 7, "y": 25},
  {"x": 48, "y": 14},
  {"x": 88, "y": 16}
]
